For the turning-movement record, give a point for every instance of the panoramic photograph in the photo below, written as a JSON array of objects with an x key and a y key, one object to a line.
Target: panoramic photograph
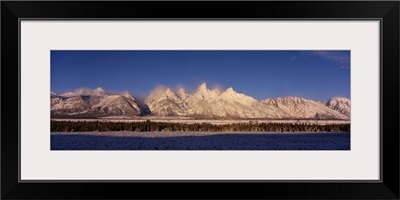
[{"x": 200, "y": 100}]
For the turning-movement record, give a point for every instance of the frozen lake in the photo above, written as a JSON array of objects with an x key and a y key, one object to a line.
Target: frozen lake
[{"x": 198, "y": 141}]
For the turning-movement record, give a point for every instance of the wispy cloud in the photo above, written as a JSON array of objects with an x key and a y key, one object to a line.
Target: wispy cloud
[
  {"x": 158, "y": 90},
  {"x": 337, "y": 56},
  {"x": 342, "y": 57}
]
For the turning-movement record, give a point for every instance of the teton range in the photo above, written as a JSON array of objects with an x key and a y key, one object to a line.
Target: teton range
[
  {"x": 200, "y": 100},
  {"x": 203, "y": 103}
]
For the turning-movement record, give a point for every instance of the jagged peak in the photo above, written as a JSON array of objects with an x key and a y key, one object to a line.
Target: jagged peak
[
  {"x": 230, "y": 92},
  {"x": 203, "y": 93},
  {"x": 337, "y": 100},
  {"x": 168, "y": 93},
  {"x": 230, "y": 89},
  {"x": 340, "y": 98},
  {"x": 231, "y": 95},
  {"x": 202, "y": 87},
  {"x": 285, "y": 99},
  {"x": 291, "y": 97}
]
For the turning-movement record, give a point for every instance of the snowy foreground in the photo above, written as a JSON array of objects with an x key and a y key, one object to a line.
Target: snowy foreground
[{"x": 198, "y": 141}]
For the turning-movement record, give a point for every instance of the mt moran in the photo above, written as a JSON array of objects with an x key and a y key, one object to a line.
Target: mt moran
[{"x": 201, "y": 104}]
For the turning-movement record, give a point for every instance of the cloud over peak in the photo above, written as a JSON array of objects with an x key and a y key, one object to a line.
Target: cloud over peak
[{"x": 342, "y": 57}]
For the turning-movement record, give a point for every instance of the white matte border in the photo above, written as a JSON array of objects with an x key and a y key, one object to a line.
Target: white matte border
[{"x": 39, "y": 37}]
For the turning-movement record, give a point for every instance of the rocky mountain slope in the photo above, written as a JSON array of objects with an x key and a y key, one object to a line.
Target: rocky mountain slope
[
  {"x": 208, "y": 103},
  {"x": 202, "y": 103},
  {"x": 340, "y": 104},
  {"x": 94, "y": 103}
]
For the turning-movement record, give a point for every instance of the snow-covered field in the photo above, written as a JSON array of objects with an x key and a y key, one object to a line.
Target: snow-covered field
[
  {"x": 192, "y": 121},
  {"x": 198, "y": 141}
]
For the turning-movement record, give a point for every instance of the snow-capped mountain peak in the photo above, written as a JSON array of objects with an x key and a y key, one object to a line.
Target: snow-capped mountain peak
[
  {"x": 341, "y": 100},
  {"x": 230, "y": 90},
  {"x": 85, "y": 91},
  {"x": 162, "y": 95},
  {"x": 202, "y": 87},
  {"x": 169, "y": 93},
  {"x": 203, "y": 93},
  {"x": 94, "y": 103},
  {"x": 203, "y": 103},
  {"x": 231, "y": 95},
  {"x": 297, "y": 107},
  {"x": 340, "y": 104},
  {"x": 293, "y": 99}
]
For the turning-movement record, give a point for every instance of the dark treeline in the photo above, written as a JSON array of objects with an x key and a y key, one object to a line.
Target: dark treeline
[{"x": 150, "y": 126}]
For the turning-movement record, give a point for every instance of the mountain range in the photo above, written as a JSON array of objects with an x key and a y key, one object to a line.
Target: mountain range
[{"x": 203, "y": 103}]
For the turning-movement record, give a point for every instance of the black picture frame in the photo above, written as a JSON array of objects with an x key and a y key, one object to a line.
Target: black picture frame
[{"x": 386, "y": 11}]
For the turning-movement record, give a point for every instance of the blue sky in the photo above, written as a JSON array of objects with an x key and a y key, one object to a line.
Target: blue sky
[{"x": 317, "y": 75}]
